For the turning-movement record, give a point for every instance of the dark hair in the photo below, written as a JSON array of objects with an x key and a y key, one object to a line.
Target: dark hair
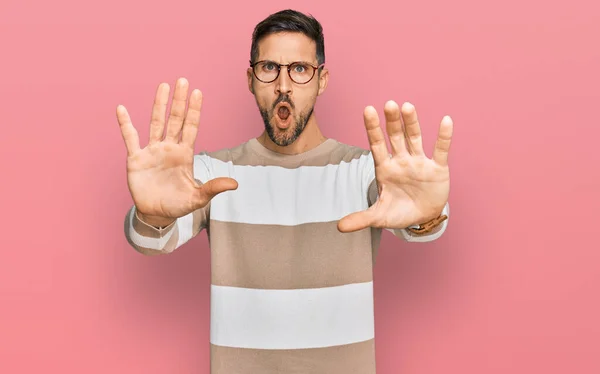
[{"x": 291, "y": 21}]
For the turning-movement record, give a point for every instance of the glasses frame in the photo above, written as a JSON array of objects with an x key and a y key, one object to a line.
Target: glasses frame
[{"x": 289, "y": 66}]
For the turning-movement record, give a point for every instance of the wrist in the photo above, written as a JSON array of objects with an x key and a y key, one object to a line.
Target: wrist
[
  {"x": 431, "y": 225},
  {"x": 155, "y": 221}
]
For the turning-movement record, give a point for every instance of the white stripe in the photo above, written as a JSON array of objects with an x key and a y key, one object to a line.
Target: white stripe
[
  {"x": 186, "y": 227},
  {"x": 144, "y": 241},
  {"x": 291, "y": 319},
  {"x": 277, "y": 195}
]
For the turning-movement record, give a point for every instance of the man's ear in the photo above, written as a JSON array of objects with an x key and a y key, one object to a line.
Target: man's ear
[
  {"x": 323, "y": 80},
  {"x": 250, "y": 76}
]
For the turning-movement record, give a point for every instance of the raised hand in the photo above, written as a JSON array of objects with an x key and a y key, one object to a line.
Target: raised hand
[
  {"x": 413, "y": 189},
  {"x": 160, "y": 176}
]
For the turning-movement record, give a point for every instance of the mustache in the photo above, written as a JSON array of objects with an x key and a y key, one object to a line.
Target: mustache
[{"x": 283, "y": 99}]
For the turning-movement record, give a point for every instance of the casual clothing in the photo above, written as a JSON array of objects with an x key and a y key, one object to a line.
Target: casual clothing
[{"x": 289, "y": 292}]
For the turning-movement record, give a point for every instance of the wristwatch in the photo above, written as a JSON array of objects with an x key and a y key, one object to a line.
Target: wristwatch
[{"x": 428, "y": 226}]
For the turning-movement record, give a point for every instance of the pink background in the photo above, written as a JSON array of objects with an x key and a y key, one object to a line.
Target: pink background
[{"x": 512, "y": 287}]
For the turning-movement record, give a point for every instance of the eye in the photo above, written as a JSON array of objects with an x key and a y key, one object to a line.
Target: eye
[
  {"x": 300, "y": 68},
  {"x": 269, "y": 66}
]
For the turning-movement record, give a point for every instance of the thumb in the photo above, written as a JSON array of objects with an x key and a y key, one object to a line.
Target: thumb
[
  {"x": 356, "y": 221},
  {"x": 213, "y": 187}
]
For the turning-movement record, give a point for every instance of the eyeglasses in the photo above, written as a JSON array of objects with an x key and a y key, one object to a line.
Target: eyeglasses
[{"x": 299, "y": 72}]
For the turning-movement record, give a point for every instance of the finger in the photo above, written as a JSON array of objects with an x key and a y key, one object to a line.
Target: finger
[
  {"x": 356, "y": 221},
  {"x": 177, "y": 110},
  {"x": 375, "y": 136},
  {"x": 192, "y": 119},
  {"x": 129, "y": 133},
  {"x": 159, "y": 110},
  {"x": 394, "y": 127},
  {"x": 214, "y": 187},
  {"x": 412, "y": 130},
  {"x": 442, "y": 144}
]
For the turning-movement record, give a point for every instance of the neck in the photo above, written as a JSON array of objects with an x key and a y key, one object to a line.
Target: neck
[{"x": 310, "y": 138}]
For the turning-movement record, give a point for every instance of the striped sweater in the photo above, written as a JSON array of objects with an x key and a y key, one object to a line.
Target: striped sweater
[{"x": 289, "y": 292}]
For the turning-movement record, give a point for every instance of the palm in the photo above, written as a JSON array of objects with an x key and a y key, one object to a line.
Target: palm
[
  {"x": 161, "y": 180},
  {"x": 160, "y": 176},
  {"x": 412, "y": 188}
]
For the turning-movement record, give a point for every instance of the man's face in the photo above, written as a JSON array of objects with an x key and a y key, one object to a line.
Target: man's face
[{"x": 285, "y": 105}]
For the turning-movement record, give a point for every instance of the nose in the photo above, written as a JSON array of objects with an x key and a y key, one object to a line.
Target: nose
[{"x": 284, "y": 83}]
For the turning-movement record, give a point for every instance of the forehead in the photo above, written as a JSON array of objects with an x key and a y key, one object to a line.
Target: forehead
[{"x": 285, "y": 47}]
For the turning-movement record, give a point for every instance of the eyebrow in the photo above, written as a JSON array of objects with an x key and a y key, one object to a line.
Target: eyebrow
[{"x": 301, "y": 61}]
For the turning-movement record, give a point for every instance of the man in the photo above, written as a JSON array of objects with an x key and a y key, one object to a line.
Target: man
[{"x": 293, "y": 218}]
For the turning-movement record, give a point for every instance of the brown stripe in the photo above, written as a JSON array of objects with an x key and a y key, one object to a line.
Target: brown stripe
[
  {"x": 358, "y": 358},
  {"x": 375, "y": 241},
  {"x": 289, "y": 257},
  {"x": 372, "y": 194},
  {"x": 252, "y": 153}
]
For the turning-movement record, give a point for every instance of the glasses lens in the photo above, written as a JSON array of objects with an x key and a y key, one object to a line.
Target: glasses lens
[
  {"x": 301, "y": 72},
  {"x": 266, "y": 71}
]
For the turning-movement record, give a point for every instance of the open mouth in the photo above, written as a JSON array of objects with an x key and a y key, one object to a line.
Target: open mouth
[
  {"x": 283, "y": 115},
  {"x": 283, "y": 111}
]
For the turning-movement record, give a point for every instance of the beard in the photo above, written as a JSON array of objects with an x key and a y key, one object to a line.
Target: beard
[{"x": 298, "y": 124}]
